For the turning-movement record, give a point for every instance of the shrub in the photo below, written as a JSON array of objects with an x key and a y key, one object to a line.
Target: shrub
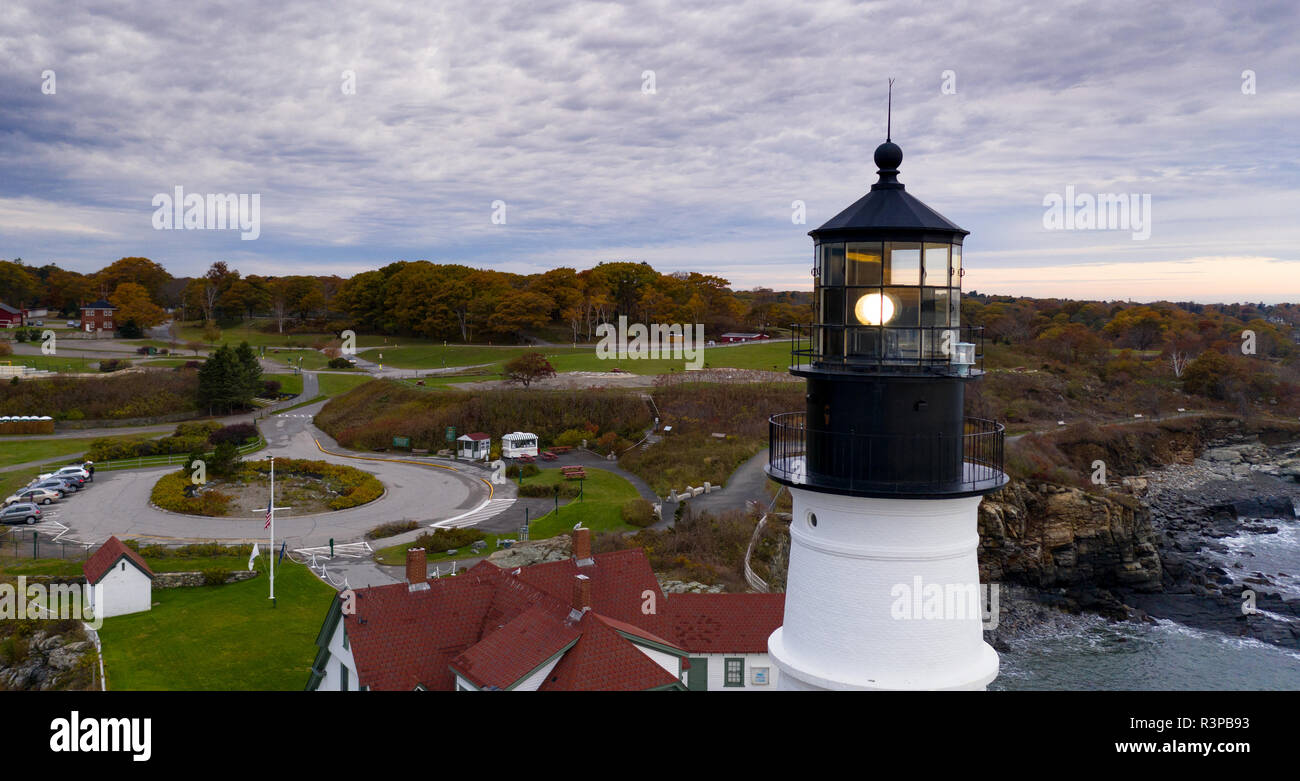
[
  {"x": 5, "y": 349},
  {"x": 528, "y": 470},
  {"x": 391, "y": 529},
  {"x": 547, "y": 490},
  {"x": 237, "y": 434},
  {"x": 99, "y": 398},
  {"x": 170, "y": 493},
  {"x": 339, "y": 363},
  {"x": 440, "y": 540},
  {"x": 114, "y": 364},
  {"x": 572, "y": 437},
  {"x": 638, "y": 512},
  {"x": 215, "y": 576},
  {"x": 270, "y": 388}
]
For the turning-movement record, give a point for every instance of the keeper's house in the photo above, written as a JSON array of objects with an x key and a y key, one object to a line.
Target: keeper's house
[
  {"x": 97, "y": 317},
  {"x": 587, "y": 623},
  {"x": 125, "y": 582}
]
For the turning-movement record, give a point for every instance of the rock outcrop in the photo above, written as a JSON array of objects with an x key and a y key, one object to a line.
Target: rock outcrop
[
  {"x": 523, "y": 554},
  {"x": 46, "y": 660},
  {"x": 1045, "y": 535}
]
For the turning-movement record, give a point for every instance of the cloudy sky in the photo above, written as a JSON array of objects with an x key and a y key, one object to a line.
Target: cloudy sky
[{"x": 548, "y": 107}]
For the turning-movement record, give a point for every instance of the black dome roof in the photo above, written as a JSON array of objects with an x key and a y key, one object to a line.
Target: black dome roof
[{"x": 888, "y": 207}]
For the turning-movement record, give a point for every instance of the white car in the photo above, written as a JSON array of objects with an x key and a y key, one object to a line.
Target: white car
[{"x": 67, "y": 470}]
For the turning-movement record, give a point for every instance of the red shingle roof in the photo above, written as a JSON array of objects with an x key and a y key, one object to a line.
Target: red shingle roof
[
  {"x": 724, "y": 623},
  {"x": 511, "y": 652},
  {"x": 495, "y": 627},
  {"x": 603, "y": 661},
  {"x": 107, "y": 557}
]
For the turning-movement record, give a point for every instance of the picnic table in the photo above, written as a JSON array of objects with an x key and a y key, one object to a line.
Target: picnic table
[
  {"x": 527, "y": 459},
  {"x": 561, "y": 449},
  {"x": 577, "y": 474},
  {"x": 548, "y": 456}
]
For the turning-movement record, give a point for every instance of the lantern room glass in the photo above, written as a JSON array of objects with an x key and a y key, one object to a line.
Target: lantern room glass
[{"x": 887, "y": 302}]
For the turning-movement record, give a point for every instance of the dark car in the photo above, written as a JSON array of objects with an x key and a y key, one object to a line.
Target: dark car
[
  {"x": 21, "y": 512},
  {"x": 57, "y": 485}
]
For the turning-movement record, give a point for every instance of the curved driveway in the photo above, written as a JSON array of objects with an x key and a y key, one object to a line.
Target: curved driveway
[{"x": 118, "y": 502}]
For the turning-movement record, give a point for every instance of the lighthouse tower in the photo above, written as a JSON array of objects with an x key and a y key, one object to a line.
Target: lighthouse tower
[{"x": 885, "y": 470}]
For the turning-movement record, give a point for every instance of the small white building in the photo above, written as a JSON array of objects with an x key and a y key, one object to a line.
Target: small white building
[
  {"x": 124, "y": 581},
  {"x": 520, "y": 443},
  {"x": 474, "y": 447}
]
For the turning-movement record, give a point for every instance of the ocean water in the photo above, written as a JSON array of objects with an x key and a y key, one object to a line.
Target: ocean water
[{"x": 1088, "y": 653}]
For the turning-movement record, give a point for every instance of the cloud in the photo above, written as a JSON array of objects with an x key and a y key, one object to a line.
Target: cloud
[{"x": 540, "y": 104}]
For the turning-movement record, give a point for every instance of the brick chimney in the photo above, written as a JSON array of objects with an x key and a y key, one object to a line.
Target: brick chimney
[
  {"x": 582, "y": 593},
  {"x": 582, "y": 547},
  {"x": 416, "y": 571}
]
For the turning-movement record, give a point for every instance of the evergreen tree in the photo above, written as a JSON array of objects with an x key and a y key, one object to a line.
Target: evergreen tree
[
  {"x": 223, "y": 381},
  {"x": 250, "y": 369}
]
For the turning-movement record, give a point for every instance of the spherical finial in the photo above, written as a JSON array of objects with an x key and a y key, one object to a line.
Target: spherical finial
[{"x": 889, "y": 156}]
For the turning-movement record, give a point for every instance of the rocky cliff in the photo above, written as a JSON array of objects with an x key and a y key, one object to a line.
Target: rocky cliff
[{"x": 1045, "y": 535}]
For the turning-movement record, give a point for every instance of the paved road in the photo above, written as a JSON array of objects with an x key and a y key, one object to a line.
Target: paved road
[{"x": 118, "y": 503}]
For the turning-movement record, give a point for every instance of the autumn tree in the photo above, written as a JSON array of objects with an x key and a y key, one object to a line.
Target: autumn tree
[
  {"x": 528, "y": 368},
  {"x": 134, "y": 305}
]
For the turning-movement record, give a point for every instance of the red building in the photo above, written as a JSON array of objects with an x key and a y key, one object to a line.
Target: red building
[
  {"x": 97, "y": 316},
  {"x": 10, "y": 317}
]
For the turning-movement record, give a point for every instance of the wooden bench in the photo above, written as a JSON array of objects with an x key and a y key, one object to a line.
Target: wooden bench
[
  {"x": 578, "y": 475},
  {"x": 419, "y": 451}
]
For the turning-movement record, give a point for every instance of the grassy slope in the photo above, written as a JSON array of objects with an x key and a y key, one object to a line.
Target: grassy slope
[
  {"x": 771, "y": 356},
  {"x": 604, "y": 494},
  {"x": 22, "y": 451},
  {"x": 221, "y": 638}
]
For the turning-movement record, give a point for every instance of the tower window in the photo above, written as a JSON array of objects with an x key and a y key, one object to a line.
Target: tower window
[{"x": 812, "y": 519}]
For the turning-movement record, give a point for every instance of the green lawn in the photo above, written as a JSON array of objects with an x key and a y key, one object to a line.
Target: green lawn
[
  {"x": 289, "y": 383},
  {"x": 252, "y": 333},
  {"x": 600, "y": 510},
  {"x": 57, "y": 363},
  {"x": 771, "y": 356},
  {"x": 22, "y": 451},
  {"x": 221, "y": 638},
  {"x": 334, "y": 384}
]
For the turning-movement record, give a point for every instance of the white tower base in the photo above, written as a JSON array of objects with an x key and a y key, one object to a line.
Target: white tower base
[{"x": 879, "y": 596}]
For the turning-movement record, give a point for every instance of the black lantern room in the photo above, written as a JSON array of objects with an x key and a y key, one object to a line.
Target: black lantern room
[{"x": 887, "y": 358}]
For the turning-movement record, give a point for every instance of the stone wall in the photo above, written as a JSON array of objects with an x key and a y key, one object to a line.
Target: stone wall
[{"x": 192, "y": 579}]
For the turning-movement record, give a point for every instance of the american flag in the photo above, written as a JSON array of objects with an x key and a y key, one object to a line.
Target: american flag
[{"x": 268, "y": 515}]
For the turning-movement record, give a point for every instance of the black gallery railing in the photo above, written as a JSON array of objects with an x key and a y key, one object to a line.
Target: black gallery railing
[
  {"x": 877, "y": 348},
  {"x": 884, "y": 464}
]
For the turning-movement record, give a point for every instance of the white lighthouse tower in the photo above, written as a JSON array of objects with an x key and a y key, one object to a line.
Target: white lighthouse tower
[{"x": 885, "y": 470}]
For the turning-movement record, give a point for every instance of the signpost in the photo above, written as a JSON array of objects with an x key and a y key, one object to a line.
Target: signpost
[{"x": 402, "y": 442}]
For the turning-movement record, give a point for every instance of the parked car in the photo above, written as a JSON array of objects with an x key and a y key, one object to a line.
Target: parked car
[
  {"x": 72, "y": 324},
  {"x": 70, "y": 471},
  {"x": 23, "y": 512},
  {"x": 34, "y": 496},
  {"x": 56, "y": 485}
]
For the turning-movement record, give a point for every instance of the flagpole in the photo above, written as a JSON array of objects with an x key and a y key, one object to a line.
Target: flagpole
[{"x": 271, "y": 551}]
